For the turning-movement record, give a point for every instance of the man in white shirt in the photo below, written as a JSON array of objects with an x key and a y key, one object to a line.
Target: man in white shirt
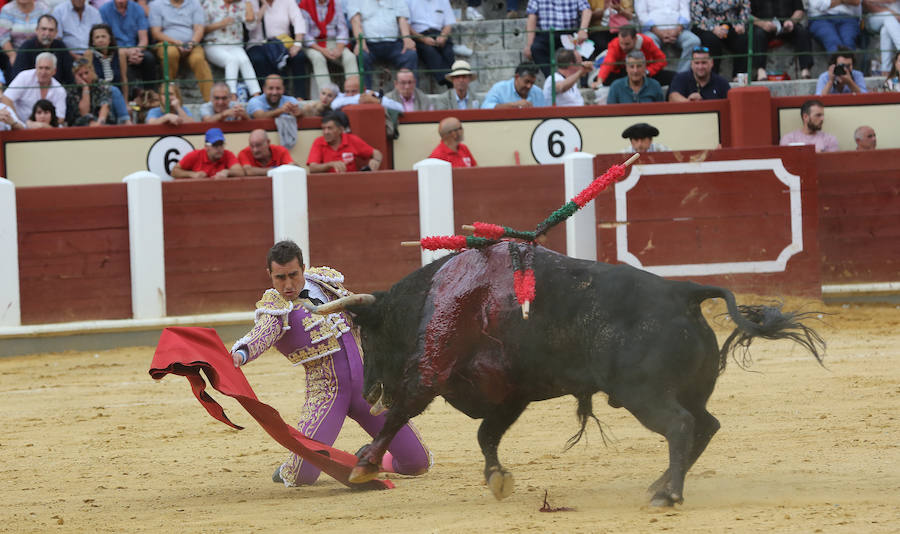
[
  {"x": 380, "y": 22},
  {"x": 569, "y": 70},
  {"x": 351, "y": 95},
  {"x": 75, "y": 18},
  {"x": 669, "y": 22},
  {"x": 431, "y": 22},
  {"x": 8, "y": 119},
  {"x": 31, "y": 85}
]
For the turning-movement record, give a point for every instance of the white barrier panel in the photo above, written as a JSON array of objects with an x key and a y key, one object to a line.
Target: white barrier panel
[
  {"x": 146, "y": 245},
  {"x": 435, "y": 203},
  {"x": 290, "y": 206},
  {"x": 10, "y": 306},
  {"x": 581, "y": 228}
]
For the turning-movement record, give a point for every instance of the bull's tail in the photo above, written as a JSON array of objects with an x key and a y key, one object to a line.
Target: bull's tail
[
  {"x": 585, "y": 412},
  {"x": 768, "y": 322}
]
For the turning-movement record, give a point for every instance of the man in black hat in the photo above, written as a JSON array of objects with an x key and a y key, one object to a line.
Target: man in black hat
[{"x": 641, "y": 136}]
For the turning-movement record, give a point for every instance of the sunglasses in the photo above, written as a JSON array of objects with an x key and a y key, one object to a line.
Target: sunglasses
[{"x": 701, "y": 49}]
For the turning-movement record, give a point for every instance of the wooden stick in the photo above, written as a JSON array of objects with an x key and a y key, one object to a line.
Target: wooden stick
[
  {"x": 526, "y": 307},
  {"x": 468, "y": 228},
  {"x": 632, "y": 159},
  {"x": 410, "y": 243}
]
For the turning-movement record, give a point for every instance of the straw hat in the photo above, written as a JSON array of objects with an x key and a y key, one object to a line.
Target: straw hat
[{"x": 460, "y": 68}]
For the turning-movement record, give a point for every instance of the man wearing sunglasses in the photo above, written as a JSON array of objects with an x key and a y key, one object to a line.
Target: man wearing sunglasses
[{"x": 700, "y": 82}]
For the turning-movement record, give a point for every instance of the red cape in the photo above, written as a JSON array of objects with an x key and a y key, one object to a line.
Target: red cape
[{"x": 186, "y": 350}]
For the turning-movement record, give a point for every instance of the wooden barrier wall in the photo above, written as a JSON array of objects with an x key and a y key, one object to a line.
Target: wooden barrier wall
[
  {"x": 708, "y": 218},
  {"x": 859, "y": 216},
  {"x": 74, "y": 259}
]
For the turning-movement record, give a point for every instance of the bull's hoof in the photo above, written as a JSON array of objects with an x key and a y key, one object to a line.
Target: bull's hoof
[
  {"x": 501, "y": 483},
  {"x": 363, "y": 473},
  {"x": 666, "y": 500}
]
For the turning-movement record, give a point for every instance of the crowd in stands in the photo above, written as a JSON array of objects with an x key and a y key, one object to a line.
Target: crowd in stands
[{"x": 107, "y": 62}]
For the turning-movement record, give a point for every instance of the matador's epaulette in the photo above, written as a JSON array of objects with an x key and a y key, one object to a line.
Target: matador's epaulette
[
  {"x": 330, "y": 279},
  {"x": 272, "y": 303}
]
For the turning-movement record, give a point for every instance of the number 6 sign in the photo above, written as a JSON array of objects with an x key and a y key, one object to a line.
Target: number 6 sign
[
  {"x": 165, "y": 153},
  {"x": 553, "y": 139}
]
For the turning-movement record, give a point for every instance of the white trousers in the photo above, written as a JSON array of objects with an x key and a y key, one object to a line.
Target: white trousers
[
  {"x": 888, "y": 26},
  {"x": 320, "y": 65},
  {"x": 233, "y": 58}
]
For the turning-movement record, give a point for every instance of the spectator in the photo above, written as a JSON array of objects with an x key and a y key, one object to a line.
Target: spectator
[
  {"x": 177, "y": 27},
  {"x": 9, "y": 120},
  {"x": 327, "y": 38},
  {"x": 44, "y": 40},
  {"x": 700, "y": 83},
  {"x": 405, "y": 92},
  {"x": 564, "y": 16},
  {"x": 31, "y": 85},
  {"x": 129, "y": 29},
  {"x": 211, "y": 161},
  {"x": 316, "y": 108},
  {"x": 338, "y": 151},
  {"x": 517, "y": 92},
  {"x": 835, "y": 22},
  {"x": 607, "y": 16},
  {"x": 223, "y": 41},
  {"x": 273, "y": 102},
  {"x": 260, "y": 155},
  {"x": 637, "y": 86},
  {"x": 669, "y": 22},
  {"x": 175, "y": 114},
  {"x": 431, "y": 22},
  {"x": 885, "y": 20},
  {"x": 381, "y": 22},
  {"x": 90, "y": 102},
  {"x": 865, "y": 138},
  {"x": 451, "y": 148},
  {"x": 110, "y": 62},
  {"x": 76, "y": 18},
  {"x": 459, "y": 97},
  {"x": 724, "y": 23},
  {"x": 274, "y": 20},
  {"x": 641, "y": 136},
  {"x": 613, "y": 66},
  {"x": 351, "y": 95},
  {"x": 780, "y": 19},
  {"x": 569, "y": 72},
  {"x": 892, "y": 82},
  {"x": 222, "y": 107},
  {"x": 841, "y": 77},
  {"x": 18, "y": 21},
  {"x": 812, "y": 114},
  {"x": 43, "y": 115}
]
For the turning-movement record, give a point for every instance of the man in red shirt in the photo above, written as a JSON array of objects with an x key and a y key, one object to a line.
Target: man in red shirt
[
  {"x": 211, "y": 161},
  {"x": 613, "y": 66},
  {"x": 337, "y": 151},
  {"x": 451, "y": 147},
  {"x": 260, "y": 155}
]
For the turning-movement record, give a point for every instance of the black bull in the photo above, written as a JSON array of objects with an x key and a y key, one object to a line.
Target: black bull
[{"x": 454, "y": 328}]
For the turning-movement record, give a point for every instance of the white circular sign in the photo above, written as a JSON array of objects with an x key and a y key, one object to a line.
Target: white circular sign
[
  {"x": 553, "y": 139},
  {"x": 165, "y": 153}
]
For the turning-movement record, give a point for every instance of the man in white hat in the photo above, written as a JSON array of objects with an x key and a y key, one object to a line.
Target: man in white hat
[{"x": 459, "y": 97}]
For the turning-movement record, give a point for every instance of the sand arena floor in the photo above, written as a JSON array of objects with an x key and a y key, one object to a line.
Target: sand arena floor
[{"x": 91, "y": 444}]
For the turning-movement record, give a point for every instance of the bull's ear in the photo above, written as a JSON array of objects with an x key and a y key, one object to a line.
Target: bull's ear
[{"x": 367, "y": 314}]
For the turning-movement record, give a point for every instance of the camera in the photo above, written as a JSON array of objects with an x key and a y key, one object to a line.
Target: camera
[{"x": 840, "y": 70}]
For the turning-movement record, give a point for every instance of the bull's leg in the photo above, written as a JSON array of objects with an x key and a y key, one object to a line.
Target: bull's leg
[
  {"x": 705, "y": 427},
  {"x": 369, "y": 464},
  {"x": 489, "y": 434},
  {"x": 668, "y": 418}
]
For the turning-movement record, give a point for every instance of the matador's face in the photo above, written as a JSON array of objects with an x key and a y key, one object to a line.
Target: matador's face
[{"x": 287, "y": 279}]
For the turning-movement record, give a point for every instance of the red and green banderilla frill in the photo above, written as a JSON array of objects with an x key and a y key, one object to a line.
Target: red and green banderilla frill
[{"x": 521, "y": 252}]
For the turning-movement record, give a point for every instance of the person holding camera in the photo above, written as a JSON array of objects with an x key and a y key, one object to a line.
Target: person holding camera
[{"x": 841, "y": 77}]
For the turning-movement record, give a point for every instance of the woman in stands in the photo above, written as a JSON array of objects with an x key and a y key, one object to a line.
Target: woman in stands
[
  {"x": 892, "y": 83},
  {"x": 90, "y": 101},
  {"x": 224, "y": 38},
  {"x": 43, "y": 115},
  {"x": 110, "y": 65},
  {"x": 175, "y": 115},
  {"x": 724, "y": 23}
]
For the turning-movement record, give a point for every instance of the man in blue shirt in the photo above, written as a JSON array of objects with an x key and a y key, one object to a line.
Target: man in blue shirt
[
  {"x": 517, "y": 92},
  {"x": 700, "y": 82},
  {"x": 273, "y": 102},
  {"x": 635, "y": 87},
  {"x": 840, "y": 77},
  {"x": 131, "y": 30}
]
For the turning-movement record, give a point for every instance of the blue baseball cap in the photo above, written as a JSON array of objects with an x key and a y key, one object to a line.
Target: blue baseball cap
[{"x": 214, "y": 135}]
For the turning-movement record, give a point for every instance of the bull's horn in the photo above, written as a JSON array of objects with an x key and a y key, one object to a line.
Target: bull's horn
[{"x": 339, "y": 304}]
